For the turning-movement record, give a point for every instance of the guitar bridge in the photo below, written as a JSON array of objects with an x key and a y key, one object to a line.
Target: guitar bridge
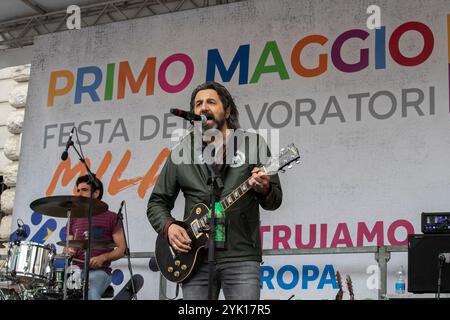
[{"x": 204, "y": 229}]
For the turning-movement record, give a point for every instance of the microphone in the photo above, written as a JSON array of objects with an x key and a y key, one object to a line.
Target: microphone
[
  {"x": 189, "y": 116},
  {"x": 444, "y": 257},
  {"x": 21, "y": 230},
  {"x": 119, "y": 213},
  {"x": 65, "y": 154},
  {"x": 153, "y": 265}
]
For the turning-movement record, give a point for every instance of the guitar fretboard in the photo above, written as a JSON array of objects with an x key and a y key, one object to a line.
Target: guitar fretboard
[{"x": 234, "y": 196}]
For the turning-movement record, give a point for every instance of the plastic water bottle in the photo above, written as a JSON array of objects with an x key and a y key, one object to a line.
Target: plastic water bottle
[{"x": 400, "y": 283}]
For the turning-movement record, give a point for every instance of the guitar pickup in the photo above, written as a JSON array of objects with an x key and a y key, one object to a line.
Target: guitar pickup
[
  {"x": 197, "y": 229},
  {"x": 174, "y": 255}
]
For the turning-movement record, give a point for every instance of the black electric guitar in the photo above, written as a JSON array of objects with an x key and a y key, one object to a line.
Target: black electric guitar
[{"x": 179, "y": 266}]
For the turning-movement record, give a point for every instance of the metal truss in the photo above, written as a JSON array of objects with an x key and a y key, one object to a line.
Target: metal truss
[{"x": 21, "y": 32}]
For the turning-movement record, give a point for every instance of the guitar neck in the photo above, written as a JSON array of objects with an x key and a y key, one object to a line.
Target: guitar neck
[
  {"x": 235, "y": 195},
  {"x": 231, "y": 198},
  {"x": 340, "y": 293},
  {"x": 350, "y": 293},
  {"x": 350, "y": 288}
]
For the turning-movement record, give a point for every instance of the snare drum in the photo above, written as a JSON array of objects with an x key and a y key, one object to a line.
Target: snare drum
[
  {"x": 74, "y": 278},
  {"x": 29, "y": 262},
  {"x": 57, "y": 282},
  {"x": 55, "y": 290}
]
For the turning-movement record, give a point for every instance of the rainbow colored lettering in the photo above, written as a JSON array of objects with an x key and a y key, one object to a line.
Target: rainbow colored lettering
[{"x": 63, "y": 82}]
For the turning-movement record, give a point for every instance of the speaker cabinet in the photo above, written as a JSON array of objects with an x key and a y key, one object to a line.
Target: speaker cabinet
[{"x": 423, "y": 264}]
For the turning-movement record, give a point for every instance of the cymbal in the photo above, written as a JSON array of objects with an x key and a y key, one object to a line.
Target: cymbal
[
  {"x": 83, "y": 244},
  {"x": 58, "y": 206}
]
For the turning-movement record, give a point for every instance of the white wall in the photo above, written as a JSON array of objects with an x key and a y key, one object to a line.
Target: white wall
[{"x": 16, "y": 57}]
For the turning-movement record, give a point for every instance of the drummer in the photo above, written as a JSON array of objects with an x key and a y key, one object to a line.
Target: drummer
[{"x": 105, "y": 227}]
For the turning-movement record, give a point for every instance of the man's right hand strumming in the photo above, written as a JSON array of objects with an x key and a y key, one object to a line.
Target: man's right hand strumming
[{"x": 178, "y": 238}]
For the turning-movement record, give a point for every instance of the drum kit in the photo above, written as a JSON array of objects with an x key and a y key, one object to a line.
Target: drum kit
[{"x": 34, "y": 271}]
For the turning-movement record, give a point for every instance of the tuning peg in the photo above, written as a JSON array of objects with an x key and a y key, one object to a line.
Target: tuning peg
[
  {"x": 297, "y": 162},
  {"x": 282, "y": 150},
  {"x": 290, "y": 166}
]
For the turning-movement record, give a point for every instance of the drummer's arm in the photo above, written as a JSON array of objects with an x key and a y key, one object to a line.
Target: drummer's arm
[
  {"x": 70, "y": 251},
  {"x": 117, "y": 253}
]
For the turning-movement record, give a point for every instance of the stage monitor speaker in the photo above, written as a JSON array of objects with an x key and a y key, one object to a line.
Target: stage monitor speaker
[{"x": 423, "y": 263}]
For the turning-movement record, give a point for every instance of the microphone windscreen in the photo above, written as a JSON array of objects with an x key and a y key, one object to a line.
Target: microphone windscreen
[{"x": 153, "y": 265}]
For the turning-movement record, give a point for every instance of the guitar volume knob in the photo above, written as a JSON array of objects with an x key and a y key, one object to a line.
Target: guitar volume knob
[
  {"x": 176, "y": 274},
  {"x": 183, "y": 267},
  {"x": 170, "y": 269},
  {"x": 177, "y": 263}
]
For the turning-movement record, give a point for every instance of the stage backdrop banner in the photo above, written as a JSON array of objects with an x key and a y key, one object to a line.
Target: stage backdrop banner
[{"x": 367, "y": 107}]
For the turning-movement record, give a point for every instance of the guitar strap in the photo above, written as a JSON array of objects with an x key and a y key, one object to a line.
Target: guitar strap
[
  {"x": 219, "y": 169},
  {"x": 228, "y": 150}
]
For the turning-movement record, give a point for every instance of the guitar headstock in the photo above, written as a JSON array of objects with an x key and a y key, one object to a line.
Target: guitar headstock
[
  {"x": 287, "y": 156},
  {"x": 340, "y": 293},
  {"x": 348, "y": 280}
]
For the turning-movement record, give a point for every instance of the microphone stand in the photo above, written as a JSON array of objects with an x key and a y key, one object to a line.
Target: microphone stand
[
  {"x": 127, "y": 253},
  {"x": 87, "y": 258},
  {"x": 441, "y": 260},
  {"x": 215, "y": 185}
]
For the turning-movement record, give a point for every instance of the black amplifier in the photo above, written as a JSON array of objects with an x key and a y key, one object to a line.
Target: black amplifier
[
  {"x": 436, "y": 222},
  {"x": 423, "y": 263}
]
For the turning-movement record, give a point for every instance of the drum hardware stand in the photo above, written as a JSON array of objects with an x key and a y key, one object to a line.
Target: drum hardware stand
[
  {"x": 93, "y": 182},
  {"x": 24, "y": 295},
  {"x": 66, "y": 256},
  {"x": 127, "y": 253}
]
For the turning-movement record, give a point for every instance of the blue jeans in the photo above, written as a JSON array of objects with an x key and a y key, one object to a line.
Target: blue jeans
[
  {"x": 238, "y": 280},
  {"x": 99, "y": 280}
]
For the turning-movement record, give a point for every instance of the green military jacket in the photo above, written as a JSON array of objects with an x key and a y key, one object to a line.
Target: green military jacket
[{"x": 243, "y": 240}]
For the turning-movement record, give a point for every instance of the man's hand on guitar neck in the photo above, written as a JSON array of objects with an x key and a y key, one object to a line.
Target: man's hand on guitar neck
[
  {"x": 260, "y": 181},
  {"x": 178, "y": 238}
]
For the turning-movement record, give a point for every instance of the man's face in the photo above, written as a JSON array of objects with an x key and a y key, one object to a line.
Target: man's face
[
  {"x": 84, "y": 190},
  {"x": 207, "y": 102}
]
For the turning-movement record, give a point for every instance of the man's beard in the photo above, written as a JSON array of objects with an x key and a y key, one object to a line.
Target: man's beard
[{"x": 218, "y": 124}]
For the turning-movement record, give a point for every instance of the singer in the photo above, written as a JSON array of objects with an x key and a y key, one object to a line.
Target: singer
[
  {"x": 106, "y": 229},
  {"x": 237, "y": 270}
]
